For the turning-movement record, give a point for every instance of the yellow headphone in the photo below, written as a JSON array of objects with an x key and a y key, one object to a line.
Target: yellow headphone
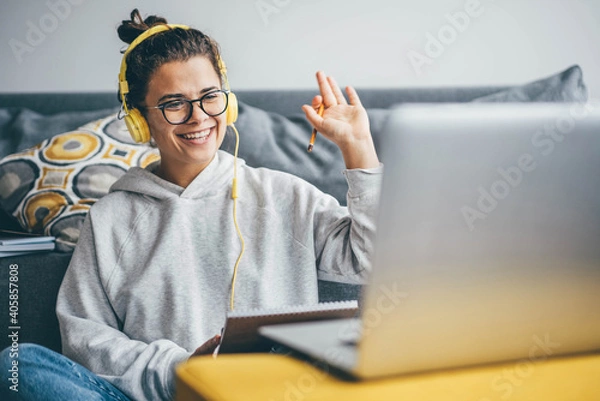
[{"x": 134, "y": 120}]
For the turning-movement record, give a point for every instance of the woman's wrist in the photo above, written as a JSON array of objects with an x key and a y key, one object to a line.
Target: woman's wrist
[{"x": 360, "y": 153}]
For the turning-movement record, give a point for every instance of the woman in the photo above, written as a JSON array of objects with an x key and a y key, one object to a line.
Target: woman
[{"x": 150, "y": 281}]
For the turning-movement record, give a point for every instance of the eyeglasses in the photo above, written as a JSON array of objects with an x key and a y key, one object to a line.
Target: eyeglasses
[{"x": 179, "y": 111}]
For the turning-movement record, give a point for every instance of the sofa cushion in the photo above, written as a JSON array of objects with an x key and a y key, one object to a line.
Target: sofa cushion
[
  {"x": 50, "y": 187},
  {"x": 22, "y": 128},
  {"x": 566, "y": 86}
]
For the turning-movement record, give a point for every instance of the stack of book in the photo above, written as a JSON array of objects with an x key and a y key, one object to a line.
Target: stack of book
[{"x": 13, "y": 243}]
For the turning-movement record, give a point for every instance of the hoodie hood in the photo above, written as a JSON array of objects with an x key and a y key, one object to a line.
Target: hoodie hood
[{"x": 215, "y": 178}]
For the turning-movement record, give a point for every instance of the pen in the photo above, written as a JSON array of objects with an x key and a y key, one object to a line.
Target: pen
[{"x": 311, "y": 144}]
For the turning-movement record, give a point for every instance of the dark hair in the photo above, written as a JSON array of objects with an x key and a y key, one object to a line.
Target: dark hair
[{"x": 171, "y": 45}]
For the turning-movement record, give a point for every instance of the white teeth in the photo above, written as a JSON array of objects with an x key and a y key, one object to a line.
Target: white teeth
[{"x": 197, "y": 135}]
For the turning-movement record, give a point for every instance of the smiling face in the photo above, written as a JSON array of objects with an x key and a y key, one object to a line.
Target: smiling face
[{"x": 188, "y": 148}]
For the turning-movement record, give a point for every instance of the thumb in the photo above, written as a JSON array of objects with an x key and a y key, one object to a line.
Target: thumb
[
  {"x": 313, "y": 117},
  {"x": 316, "y": 102}
]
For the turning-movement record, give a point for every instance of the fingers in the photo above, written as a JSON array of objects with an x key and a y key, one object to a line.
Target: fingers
[
  {"x": 212, "y": 343},
  {"x": 353, "y": 96},
  {"x": 339, "y": 96},
  {"x": 325, "y": 89},
  {"x": 330, "y": 90},
  {"x": 312, "y": 116},
  {"x": 317, "y": 101},
  {"x": 331, "y": 95},
  {"x": 208, "y": 347}
]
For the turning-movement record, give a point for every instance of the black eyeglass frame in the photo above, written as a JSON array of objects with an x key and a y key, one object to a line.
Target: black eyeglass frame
[{"x": 191, "y": 108}]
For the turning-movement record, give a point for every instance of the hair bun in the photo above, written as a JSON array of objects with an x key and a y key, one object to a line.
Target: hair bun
[{"x": 131, "y": 29}]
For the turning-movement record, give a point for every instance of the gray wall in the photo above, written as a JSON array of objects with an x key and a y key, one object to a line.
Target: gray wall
[{"x": 71, "y": 45}]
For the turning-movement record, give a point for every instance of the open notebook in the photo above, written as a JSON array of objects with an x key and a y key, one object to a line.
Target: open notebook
[{"x": 240, "y": 333}]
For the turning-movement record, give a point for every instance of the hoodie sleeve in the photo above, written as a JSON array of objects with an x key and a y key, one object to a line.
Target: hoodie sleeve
[
  {"x": 91, "y": 336},
  {"x": 344, "y": 239}
]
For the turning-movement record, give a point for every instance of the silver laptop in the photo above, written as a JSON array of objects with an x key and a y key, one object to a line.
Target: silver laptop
[{"x": 488, "y": 244}]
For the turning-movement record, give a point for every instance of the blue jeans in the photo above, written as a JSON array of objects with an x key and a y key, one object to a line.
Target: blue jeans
[{"x": 42, "y": 374}]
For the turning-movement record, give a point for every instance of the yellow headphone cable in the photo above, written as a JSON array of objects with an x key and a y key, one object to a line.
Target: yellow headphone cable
[{"x": 234, "y": 196}]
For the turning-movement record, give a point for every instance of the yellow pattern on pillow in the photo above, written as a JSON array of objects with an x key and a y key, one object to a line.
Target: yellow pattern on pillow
[{"x": 50, "y": 187}]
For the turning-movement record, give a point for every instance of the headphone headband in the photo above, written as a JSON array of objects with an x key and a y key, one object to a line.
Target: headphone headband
[
  {"x": 152, "y": 31},
  {"x": 123, "y": 86}
]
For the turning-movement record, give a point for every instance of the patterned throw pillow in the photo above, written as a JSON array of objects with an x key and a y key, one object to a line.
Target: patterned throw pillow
[{"x": 50, "y": 187}]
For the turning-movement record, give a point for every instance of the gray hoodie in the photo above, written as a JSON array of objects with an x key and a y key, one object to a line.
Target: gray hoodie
[{"x": 150, "y": 278}]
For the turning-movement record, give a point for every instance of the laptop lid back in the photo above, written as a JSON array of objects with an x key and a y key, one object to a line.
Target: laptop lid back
[{"x": 488, "y": 243}]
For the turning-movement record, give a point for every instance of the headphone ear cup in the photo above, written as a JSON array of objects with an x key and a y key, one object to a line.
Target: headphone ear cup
[
  {"x": 137, "y": 126},
  {"x": 232, "y": 109}
]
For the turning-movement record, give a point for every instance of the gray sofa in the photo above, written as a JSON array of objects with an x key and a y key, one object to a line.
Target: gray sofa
[{"x": 273, "y": 133}]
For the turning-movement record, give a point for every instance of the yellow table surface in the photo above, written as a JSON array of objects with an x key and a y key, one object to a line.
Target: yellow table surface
[{"x": 271, "y": 377}]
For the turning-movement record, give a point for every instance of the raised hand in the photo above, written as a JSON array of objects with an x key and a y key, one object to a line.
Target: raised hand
[{"x": 345, "y": 124}]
